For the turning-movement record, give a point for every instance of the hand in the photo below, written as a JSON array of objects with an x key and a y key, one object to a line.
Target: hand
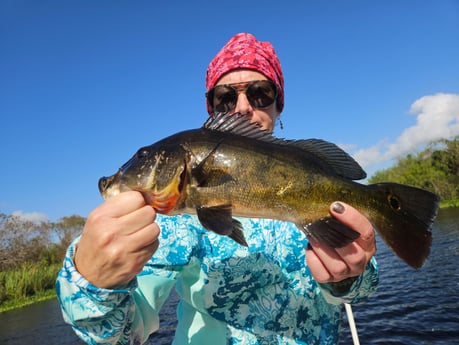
[
  {"x": 119, "y": 237},
  {"x": 336, "y": 264}
]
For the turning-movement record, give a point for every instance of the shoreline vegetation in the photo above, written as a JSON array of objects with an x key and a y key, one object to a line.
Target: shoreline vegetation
[
  {"x": 449, "y": 203},
  {"x": 29, "y": 284},
  {"x": 31, "y": 253},
  {"x": 24, "y": 302}
]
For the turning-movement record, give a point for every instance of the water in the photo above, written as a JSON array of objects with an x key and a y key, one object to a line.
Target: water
[
  {"x": 40, "y": 323},
  {"x": 411, "y": 307},
  {"x": 415, "y": 306}
]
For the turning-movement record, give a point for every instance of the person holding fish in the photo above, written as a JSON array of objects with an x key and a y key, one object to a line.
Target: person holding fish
[{"x": 265, "y": 282}]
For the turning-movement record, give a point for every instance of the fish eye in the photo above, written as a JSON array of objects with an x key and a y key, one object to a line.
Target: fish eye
[{"x": 394, "y": 202}]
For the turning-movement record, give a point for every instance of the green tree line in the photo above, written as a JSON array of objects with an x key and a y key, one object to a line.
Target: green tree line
[
  {"x": 436, "y": 168},
  {"x": 31, "y": 254}
]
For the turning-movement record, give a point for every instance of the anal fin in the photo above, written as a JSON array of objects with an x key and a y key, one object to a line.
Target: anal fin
[{"x": 330, "y": 232}]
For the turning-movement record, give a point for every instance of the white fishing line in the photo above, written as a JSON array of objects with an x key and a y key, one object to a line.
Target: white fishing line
[{"x": 350, "y": 319}]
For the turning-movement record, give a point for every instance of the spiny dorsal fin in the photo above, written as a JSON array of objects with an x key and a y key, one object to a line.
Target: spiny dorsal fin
[
  {"x": 338, "y": 160},
  {"x": 237, "y": 124}
]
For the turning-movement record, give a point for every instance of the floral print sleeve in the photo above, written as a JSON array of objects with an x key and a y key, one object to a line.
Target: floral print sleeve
[{"x": 262, "y": 294}]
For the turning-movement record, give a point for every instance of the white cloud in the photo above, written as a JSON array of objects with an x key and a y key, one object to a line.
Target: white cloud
[
  {"x": 437, "y": 117},
  {"x": 34, "y": 217}
]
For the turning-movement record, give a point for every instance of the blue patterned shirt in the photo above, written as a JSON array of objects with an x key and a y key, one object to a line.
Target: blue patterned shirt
[{"x": 230, "y": 294}]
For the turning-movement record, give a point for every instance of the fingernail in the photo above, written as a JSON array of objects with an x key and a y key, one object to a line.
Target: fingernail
[{"x": 338, "y": 207}]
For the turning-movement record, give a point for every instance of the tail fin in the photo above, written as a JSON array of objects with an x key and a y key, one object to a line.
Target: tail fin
[{"x": 405, "y": 221}]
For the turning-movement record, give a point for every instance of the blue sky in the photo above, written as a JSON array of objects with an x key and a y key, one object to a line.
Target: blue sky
[{"x": 84, "y": 84}]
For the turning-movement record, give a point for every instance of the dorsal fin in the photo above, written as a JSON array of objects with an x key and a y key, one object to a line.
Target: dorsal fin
[
  {"x": 237, "y": 124},
  {"x": 338, "y": 160},
  {"x": 341, "y": 162}
]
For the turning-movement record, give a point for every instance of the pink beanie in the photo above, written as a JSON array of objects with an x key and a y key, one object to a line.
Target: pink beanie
[{"x": 244, "y": 51}]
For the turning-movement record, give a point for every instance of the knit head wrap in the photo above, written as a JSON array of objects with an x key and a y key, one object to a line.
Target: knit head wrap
[{"x": 243, "y": 51}]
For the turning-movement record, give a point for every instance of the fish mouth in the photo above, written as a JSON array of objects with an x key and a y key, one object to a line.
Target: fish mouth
[
  {"x": 165, "y": 200},
  {"x": 108, "y": 186}
]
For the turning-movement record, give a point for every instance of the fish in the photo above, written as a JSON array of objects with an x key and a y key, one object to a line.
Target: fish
[{"x": 232, "y": 168}]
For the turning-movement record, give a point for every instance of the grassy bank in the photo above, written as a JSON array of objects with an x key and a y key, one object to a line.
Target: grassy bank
[
  {"x": 26, "y": 285},
  {"x": 22, "y": 302},
  {"x": 449, "y": 203}
]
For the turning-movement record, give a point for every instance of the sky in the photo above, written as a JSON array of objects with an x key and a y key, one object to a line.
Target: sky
[{"x": 84, "y": 84}]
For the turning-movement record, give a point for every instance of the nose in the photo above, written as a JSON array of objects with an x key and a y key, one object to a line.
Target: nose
[{"x": 243, "y": 105}]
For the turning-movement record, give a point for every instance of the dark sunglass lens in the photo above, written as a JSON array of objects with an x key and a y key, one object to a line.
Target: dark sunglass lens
[
  {"x": 261, "y": 94},
  {"x": 224, "y": 98}
]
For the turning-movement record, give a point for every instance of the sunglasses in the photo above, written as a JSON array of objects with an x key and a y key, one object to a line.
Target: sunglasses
[{"x": 259, "y": 93}]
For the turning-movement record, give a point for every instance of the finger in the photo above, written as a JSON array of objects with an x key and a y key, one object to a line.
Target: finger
[
  {"x": 137, "y": 220},
  {"x": 332, "y": 261},
  {"x": 122, "y": 204},
  {"x": 352, "y": 218},
  {"x": 355, "y": 258},
  {"x": 143, "y": 238},
  {"x": 147, "y": 252},
  {"x": 344, "y": 262},
  {"x": 129, "y": 253},
  {"x": 135, "y": 262},
  {"x": 316, "y": 267}
]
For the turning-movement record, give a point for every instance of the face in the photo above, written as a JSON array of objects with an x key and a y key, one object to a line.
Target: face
[{"x": 265, "y": 117}]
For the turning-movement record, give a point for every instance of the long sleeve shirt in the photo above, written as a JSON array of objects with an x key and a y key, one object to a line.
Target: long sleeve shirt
[{"x": 229, "y": 294}]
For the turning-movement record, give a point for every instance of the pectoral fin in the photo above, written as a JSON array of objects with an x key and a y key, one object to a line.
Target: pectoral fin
[
  {"x": 209, "y": 174},
  {"x": 219, "y": 219},
  {"x": 330, "y": 232}
]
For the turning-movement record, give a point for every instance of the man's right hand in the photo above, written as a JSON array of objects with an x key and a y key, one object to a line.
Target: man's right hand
[{"x": 119, "y": 237}]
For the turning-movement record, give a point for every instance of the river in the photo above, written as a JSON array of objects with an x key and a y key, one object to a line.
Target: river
[{"x": 411, "y": 307}]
